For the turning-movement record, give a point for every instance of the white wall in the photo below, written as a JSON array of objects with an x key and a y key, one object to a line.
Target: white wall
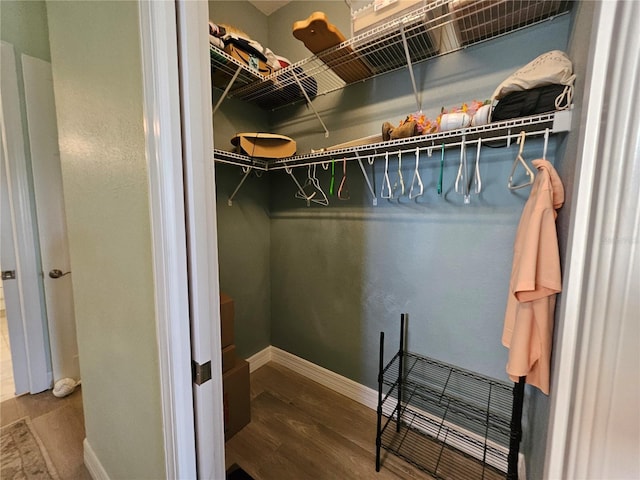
[{"x": 95, "y": 54}]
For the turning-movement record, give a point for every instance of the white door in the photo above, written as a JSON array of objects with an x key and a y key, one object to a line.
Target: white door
[
  {"x": 200, "y": 199},
  {"x": 23, "y": 287},
  {"x": 10, "y": 287},
  {"x": 52, "y": 226},
  {"x": 177, "y": 90}
]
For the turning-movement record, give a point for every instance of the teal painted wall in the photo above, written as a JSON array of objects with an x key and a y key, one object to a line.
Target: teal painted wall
[
  {"x": 241, "y": 15},
  {"x": 342, "y": 274},
  {"x": 280, "y": 22},
  {"x": 446, "y": 263},
  {"x": 244, "y": 256},
  {"x": 243, "y": 229}
]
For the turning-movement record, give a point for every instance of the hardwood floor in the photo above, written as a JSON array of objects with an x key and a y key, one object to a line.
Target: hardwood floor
[
  {"x": 59, "y": 422},
  {"x": 299, "y": 430},
  {"x": 302, "y": 430}
]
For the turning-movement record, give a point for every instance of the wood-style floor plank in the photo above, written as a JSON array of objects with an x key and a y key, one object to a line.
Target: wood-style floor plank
[{"x": 302, "y": 430}]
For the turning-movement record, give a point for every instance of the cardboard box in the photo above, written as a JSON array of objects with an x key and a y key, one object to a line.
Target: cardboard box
[
  {"x": 264, "y": 145},
  {"x": 227, "y": 314},
  {"x": 236, "y": 398},
  {"x": 379, "y": 12},
  {"x": 228, "y": 358}
]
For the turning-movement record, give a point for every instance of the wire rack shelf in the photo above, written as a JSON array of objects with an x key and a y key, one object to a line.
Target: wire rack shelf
[
  {"x": 507, "y": 130},
  {"x": 432, "y": 30}
]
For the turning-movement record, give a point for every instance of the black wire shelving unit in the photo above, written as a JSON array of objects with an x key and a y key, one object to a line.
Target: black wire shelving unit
[{"x": 447, "y": 421}]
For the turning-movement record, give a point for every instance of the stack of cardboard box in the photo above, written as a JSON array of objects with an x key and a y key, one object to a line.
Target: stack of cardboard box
[{"x": 235, "y": 374}]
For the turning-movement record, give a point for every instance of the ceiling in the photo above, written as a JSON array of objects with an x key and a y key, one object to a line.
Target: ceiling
[{"x": 268, "y": 6}]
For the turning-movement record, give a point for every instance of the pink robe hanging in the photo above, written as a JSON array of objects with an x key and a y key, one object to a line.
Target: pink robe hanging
[{"x": 535, "y": 281}]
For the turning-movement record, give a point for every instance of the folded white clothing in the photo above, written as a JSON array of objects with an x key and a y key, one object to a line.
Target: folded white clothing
[{"x": 216, "y": 42}]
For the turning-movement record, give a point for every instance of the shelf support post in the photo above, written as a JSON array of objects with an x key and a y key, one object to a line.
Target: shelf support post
[
  {"x": 403, "y": 321},
  {"x": 226, "y": 90},
  {"x": 516, "y": 429},
  {"x": 304, "y": 92},
  {"x": 379, "y": 410},
  {"x": 410, "y": 67},
  {"x": 247, "y": 171}
]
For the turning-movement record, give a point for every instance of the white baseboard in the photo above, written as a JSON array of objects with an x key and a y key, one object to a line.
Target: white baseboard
[
  {"x": 353, "y": 390},
  {"x": 259, "y": 359},
  {"x": 92, "y": 463},
  {"x": 345, "y": 386}
]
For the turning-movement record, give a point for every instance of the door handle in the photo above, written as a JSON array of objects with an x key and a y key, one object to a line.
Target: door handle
[
  {"x": 55, "y": 273},
  {"x": 8, "y": 274}
]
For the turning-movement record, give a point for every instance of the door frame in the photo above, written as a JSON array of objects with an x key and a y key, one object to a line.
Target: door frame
[{"x": 178, "y": 132}]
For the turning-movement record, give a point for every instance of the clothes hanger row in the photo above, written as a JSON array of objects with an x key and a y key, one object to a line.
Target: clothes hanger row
[
  {"x": 314, "y": 158},
  {"x": 311, "y": 191}
]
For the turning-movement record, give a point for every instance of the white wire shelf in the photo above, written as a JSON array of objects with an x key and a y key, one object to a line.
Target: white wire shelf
[
  {"x": 435, "y": 29},
  {"x": 508, "y": 130}
]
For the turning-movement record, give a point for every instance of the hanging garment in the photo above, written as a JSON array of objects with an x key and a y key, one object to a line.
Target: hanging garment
[{"x": 535, "y": 281}]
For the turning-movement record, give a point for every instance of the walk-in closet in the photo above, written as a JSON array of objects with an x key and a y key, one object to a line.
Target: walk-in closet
[
  {"x": 323, "y": 251},
  {"x": 296, "y": 238}
]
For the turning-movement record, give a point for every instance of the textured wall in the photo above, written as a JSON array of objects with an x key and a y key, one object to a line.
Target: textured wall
[
  {"x": 243, "y": 246},
  {"x": 343, "y": 273},
  {"x": 243, "y": 229},
  {"x": 98, "y": 87}
]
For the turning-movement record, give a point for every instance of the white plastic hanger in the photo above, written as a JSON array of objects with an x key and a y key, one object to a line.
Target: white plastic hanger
[
  {"x": 385, "y": 181},
  {"x": 441, "y": 176},
  {"x": 476, "y": 180},
  {"x": 322, "y": 198},
  {"x": 400, "y": 177},
  {"x": 307, "y": 192},
  {"x": 462, "y": 184},
  {"x": 546, "y": 143},
  {"x": 520, "y": 160},
  {"x": 300, "y": 191},
  {"x": 343, "y": 190},
  {"x": 416, "y": 176}
]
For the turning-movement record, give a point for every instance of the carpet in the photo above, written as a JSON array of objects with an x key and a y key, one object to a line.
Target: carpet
[
  {"x": 23, "y": 455},
  {"x": 237, "y": 473}
]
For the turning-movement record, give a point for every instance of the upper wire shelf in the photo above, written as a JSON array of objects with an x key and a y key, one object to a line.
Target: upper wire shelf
[{"x": 434, "y": 29}]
